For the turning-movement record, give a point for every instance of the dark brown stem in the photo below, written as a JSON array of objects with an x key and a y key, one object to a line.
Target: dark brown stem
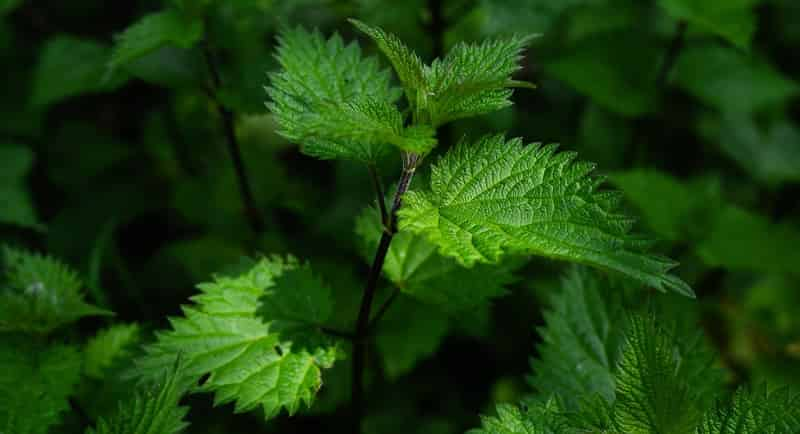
[
  {"x": 235, "y": 151},
  {"x": 437, "y": 26},
  {"x": 361, "y": 335},
  {"x": 381, "y": 196}
]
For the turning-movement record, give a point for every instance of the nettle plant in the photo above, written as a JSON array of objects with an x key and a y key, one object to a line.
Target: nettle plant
[{"x": 613, "y": 357}]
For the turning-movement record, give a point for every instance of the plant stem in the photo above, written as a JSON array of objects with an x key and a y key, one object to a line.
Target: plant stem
[
  {"x": 437, "y": 26},
  {"x": 675, "y": 47},
  {"x": 381, "y": 196},
  {"x": 361, "y": 335},
  {"x": 251, "y": 209},
  {"x": 384, "y": 307}
]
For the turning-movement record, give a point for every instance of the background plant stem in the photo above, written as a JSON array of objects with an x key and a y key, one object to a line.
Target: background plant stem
[{"x": 254, "y": 216}]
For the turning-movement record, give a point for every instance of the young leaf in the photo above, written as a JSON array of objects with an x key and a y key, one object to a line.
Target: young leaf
[
  {"x": 152, "y": 410},
  {"x": 108, "y": 346},
  {"x": 35, "y": 382},
  {"x": 70, "y": 66},
  {"x": 415, "y": 267},
  {"x": 581, "y": 340},
  {"x": 533, "y": 418},
  {"x": 248, "y": 361},
  {"x": 368, "y": 121},
  {"x": 16, "y": 206},
  {"x": 408, "y": 66},
  {"x": 474, "y": 79},
  {"x": 331, "y": 100},
  {"x": 41, "y": 294},
  {"x": 495, "y": 197},
  {"x": 733, "y": 20},
  {"x": 153, "y": 31},
  {"x": 754, "y": 411}
]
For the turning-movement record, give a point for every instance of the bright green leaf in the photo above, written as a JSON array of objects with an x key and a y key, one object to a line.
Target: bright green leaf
[
  {"x": 497, "y": 196},
  {"x": 322, "y": 83},
  {"x": 247, "y": 361}
]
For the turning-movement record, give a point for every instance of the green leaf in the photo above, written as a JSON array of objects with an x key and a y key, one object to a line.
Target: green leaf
[
  {"x": 408, "y": 66},
  {"x": 614, "y": 70},
  {"x": 154, "y": 31},
  {"x": 152, "y": 410},
  {"x": 322, "y": 83},
  {"x": 16, "y": 206},
  {"x": 8, "y": 6},
  {"x": 70, "y": 66},
  {"x": 536, "y": 418},
  {"x": 473, "y": 79},
  {"x": 651, "y": 395},
  {"x": 731, "y": 81},
  {"x": 40, "y": 294},
  {"x": 368, "y": 121},
  {"x": 734, "y": 20},
  {"x": 409, "y": 333},
  {"x": 247, "y": 360},
  {"x": 581, "y": 340},
  {"x": 35, "y": 382},
  {"x": 108, "y": 346},
  {"x": 495, "y": 197},
  {"x": 754, "y": 411},
  {"x": 771, "y": 154},
  {"x": 739, "y": 239},
  {"x": 415, "y": 267},
  {"x": 672, "y": 209}
]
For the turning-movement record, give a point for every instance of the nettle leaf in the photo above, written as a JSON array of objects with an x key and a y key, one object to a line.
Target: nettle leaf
[
  {"x": 734, "y": 20},
  {"x": 153, "y": 409},
  {"x": 249, "y": 360},
  {"x": 108, "y": 346},
  {"x": 409, "y": 333},
  {"x": 581, "y": 340},
  {"x": 651, "y": 396},
  {"x": 16, "y": 206},
  {"x": 35, "y": 382},
  {"x": 333, "y": 101},
  {"x": 408, "y": 66},
  {"x": 495, "y": 197},
  {"x": 413, "y": 265},
  {"x": 533, "y": 418},
  {"x": 474, "y": 79},
  {"x": 154, "y": 31},
  {"x": 40, "y": 294},
  {"x": 70, "y": 66},
  {"x": 369, "y": 121},
  {"x": 754, "y": 411},
  {"x": 731, "y": 81}
]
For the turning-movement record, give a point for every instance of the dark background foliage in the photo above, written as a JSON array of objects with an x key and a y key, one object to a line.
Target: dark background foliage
[{"x": 133, "y": 184}]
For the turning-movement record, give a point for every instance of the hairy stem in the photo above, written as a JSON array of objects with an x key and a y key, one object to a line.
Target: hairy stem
[
  {"x": 361, "y": 335},
  {"x": 234, "y": 150}
]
